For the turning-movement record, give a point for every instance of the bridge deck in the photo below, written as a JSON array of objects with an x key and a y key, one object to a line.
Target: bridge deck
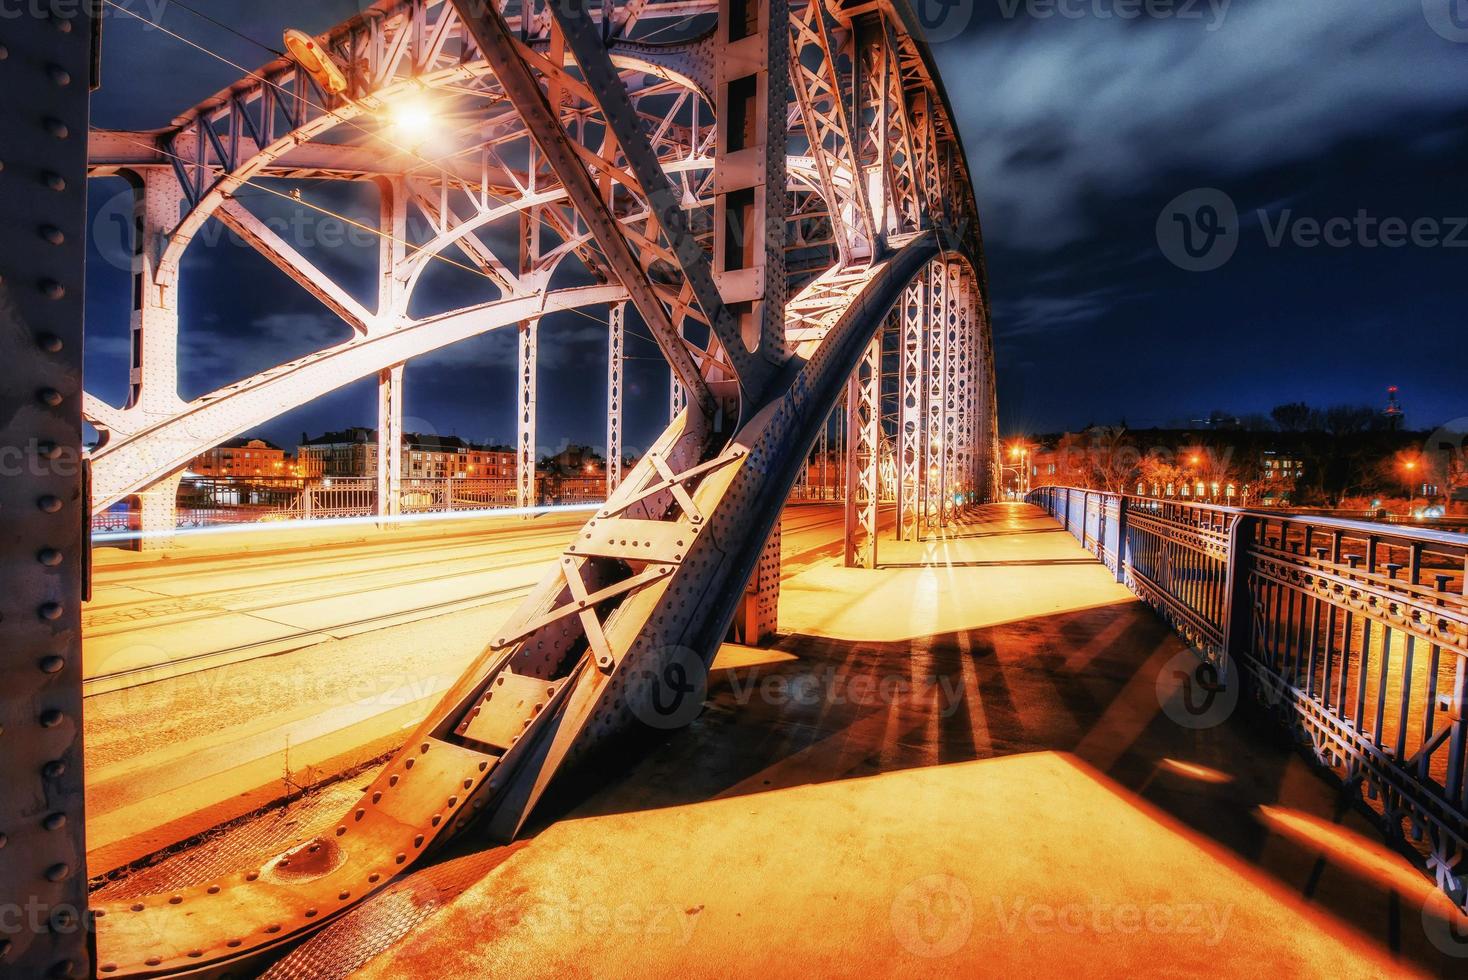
[{"x": 959, "y": 762}]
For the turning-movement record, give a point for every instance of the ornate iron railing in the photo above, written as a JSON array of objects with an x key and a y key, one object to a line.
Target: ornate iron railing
[{"x": 1354, "y": 634}]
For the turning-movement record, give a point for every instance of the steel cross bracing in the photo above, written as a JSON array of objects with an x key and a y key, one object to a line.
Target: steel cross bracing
[
  {"x": 670, "y": 158},
  {"x": 863, "y": 456},
  {"x": 616, "y": 319},
  {"x": 911, "y": 422},
  {"x": 460, "y": 195}
]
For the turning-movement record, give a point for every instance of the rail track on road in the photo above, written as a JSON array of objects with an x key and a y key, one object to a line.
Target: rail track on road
[{"x": 108, "y": 682}]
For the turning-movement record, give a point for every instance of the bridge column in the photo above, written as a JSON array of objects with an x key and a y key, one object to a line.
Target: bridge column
[
  {"x": 934, "y": 506},
  {"x": 615, "y": 320},
  {"x": 751, "y": 72},
  {"x": 153, "y": 369},
  {"x": 43, "y": 514},
  {"x": 952, "y": 380},
  {"x": 529, "y": 337},
  {"x": 758, "y": 617},
  {"x": 390, "y": 442},
  {"x": 863, "y": 456},
  {"x": 158, "y": 514},
  {"x": 911, "y": 403},
  {"x": 962, "y": 481}
]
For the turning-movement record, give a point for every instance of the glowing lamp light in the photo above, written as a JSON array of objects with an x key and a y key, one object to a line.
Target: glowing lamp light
[
  {"x": 412, "y": 119},
  {"x": 316, "y": 61}
]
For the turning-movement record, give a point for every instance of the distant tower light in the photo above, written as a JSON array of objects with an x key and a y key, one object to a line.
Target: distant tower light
[{"x": 1393, "y": 410}]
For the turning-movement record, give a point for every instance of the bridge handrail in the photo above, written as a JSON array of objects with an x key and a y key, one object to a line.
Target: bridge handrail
[{"x": 1313, "y": 616}]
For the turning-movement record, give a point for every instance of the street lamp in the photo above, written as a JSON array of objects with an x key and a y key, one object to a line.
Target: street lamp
[
  {"x": 412, "y": 119},
  {"x": 1410, "y": 466},
  {"x": 1019, "y": 454},
  {"x": 410, "y": 116}
]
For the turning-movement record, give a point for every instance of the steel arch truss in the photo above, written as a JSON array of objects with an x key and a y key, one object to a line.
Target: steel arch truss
[{"x": 764, "y": 236}]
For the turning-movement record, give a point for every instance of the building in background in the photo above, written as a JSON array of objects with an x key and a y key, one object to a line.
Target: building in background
[
  {"x": 1344, "y": 459},
  {"x": 244, "y": 458},
  {"x": 576, "y": 474},
  {"x": 352, "y": 452}
]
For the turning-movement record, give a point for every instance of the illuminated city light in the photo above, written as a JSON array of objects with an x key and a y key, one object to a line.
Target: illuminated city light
[{"x": 111, "y": 537}]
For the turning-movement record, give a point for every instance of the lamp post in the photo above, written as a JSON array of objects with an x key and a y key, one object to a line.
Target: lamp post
[
  {"x": 1410, "y": 466},
  {"x": 1019, "y": 455}
]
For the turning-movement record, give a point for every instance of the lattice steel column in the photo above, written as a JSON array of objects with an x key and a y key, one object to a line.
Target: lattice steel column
[
  {"x": 43, "y": 500},
  {"x": 529, "y": 345},
  {"x": 869, "y": 65},
  {"x": 390, "y": 442},
  {"x": 963, "y": 430},
  {"x": 825, "y": 457},
  {"x": 935, "y": 507},
  {"x": 952, "y": 370},
  {"x": 616, "y": 314},
  {"x": 677, "y": 397},
  {"x": 751, "y": 72},
  {"x": 911, "y": 391},
  {"x": 863, "y": 456},
  {"x": 989, "y": 447}
]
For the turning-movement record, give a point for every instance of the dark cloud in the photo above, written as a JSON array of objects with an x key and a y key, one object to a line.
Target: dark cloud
[
  {"x": 1078, "y": 130},
  {"x": 1058, "y": 108}
]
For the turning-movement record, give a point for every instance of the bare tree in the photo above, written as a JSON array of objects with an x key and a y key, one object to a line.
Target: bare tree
[
  {"x": 1292, "y": 416},
  {"x": 1346, "y": 420}
]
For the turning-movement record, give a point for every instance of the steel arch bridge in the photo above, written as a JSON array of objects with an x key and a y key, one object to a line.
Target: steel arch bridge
[{"x": 780, "y": 192}]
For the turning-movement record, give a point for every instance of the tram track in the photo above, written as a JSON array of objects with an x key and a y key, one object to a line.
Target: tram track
[{"x": 109, "y": 682}]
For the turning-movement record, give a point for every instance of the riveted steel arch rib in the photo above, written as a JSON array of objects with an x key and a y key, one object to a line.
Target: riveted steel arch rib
[
  {"x": 498, "y": 47},
  {"x": 559, "y": 677},
  {"x": 126, "y": 464}
]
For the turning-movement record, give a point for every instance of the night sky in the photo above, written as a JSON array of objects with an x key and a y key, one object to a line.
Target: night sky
[{"x": 1081, "y": 127}]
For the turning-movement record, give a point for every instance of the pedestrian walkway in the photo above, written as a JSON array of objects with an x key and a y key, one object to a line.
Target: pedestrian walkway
[{"x": 975, "y": 760}]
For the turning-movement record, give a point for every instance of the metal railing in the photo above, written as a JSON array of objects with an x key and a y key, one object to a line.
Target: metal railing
[
  {"x": 214, "y": 501},
  {"x": 1354, "y": 634}
]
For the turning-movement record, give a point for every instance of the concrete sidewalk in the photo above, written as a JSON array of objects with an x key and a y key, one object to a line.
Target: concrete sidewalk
[{"x": 966, "y": 766}]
